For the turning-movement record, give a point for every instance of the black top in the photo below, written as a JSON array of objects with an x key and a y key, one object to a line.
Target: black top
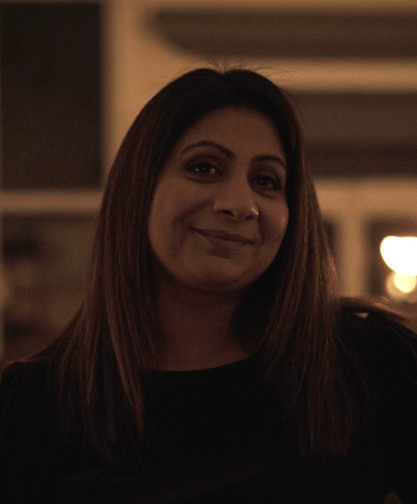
[{"x": 217, "y": 438}]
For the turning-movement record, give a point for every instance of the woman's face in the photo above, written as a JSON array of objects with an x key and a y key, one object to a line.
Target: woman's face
[{"x": 219, "y": 212}]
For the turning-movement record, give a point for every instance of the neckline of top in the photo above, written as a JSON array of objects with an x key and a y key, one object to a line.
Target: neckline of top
[{"x": 230, "y": 366}]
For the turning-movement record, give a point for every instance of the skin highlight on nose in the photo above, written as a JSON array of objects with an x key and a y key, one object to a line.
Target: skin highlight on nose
[{"x": 238, "y": 203}]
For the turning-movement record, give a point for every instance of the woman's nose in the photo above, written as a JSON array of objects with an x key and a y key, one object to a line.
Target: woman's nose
[{"x": 235, "y": 200}]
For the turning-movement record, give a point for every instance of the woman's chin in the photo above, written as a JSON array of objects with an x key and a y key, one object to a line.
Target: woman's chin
[
  {"x": 219, "y": 284},
  {"x": 207, "y": 280}
]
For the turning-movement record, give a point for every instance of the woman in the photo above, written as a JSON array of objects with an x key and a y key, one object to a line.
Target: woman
[{"x": 212, "y": 359}]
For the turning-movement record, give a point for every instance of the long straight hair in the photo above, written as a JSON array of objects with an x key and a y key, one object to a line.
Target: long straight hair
[{"x": 288, "y": 317}]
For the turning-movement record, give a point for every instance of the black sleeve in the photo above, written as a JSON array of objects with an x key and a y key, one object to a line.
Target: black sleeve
[
  {"x": 26, "y": 435},
  {"x": 397, "y": 413}
]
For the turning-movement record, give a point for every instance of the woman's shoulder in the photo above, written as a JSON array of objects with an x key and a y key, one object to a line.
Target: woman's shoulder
[
  {"x": 384, "y": 325},
  {"x": 387, "y": 349},
  {"x": 383, "y": 341}
]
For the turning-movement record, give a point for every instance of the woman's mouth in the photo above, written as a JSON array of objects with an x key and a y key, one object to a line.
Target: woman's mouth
[{"x": 223, "y": 238}]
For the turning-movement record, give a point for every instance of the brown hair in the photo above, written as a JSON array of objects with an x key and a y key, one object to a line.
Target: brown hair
[{"x": 289, "y": 315}]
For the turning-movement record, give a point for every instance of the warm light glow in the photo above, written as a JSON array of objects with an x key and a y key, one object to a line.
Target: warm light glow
[
  {"x": 400, "y": 254},
  {"x": 404, "y": 283},
  {"x": 396, "y": 285}
]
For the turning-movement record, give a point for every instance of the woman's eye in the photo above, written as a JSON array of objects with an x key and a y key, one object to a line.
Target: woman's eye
[
  {"x": 267, "y": 182},
  {"x": 203, "y": 169}
]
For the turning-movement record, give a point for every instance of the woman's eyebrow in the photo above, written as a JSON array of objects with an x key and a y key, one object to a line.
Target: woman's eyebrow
[
  {"x": 208, "y": 143},
  {"x": 271, "y": 157}
]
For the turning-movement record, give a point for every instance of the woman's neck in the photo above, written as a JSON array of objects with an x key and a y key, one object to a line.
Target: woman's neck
[{"x": 196, "y": 329}]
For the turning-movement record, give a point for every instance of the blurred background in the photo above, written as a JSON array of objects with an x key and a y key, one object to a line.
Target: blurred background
[{"x": 73, "y": 75}]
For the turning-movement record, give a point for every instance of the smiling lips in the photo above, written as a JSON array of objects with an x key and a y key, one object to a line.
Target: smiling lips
[{"x": 224, "y": 239}]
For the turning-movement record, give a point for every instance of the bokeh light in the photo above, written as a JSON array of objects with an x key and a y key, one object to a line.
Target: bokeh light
[
  {"x": 400, "y": 254},
  {"x": 401, "y": 288},
  {"x": 404, "y": 283}
]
